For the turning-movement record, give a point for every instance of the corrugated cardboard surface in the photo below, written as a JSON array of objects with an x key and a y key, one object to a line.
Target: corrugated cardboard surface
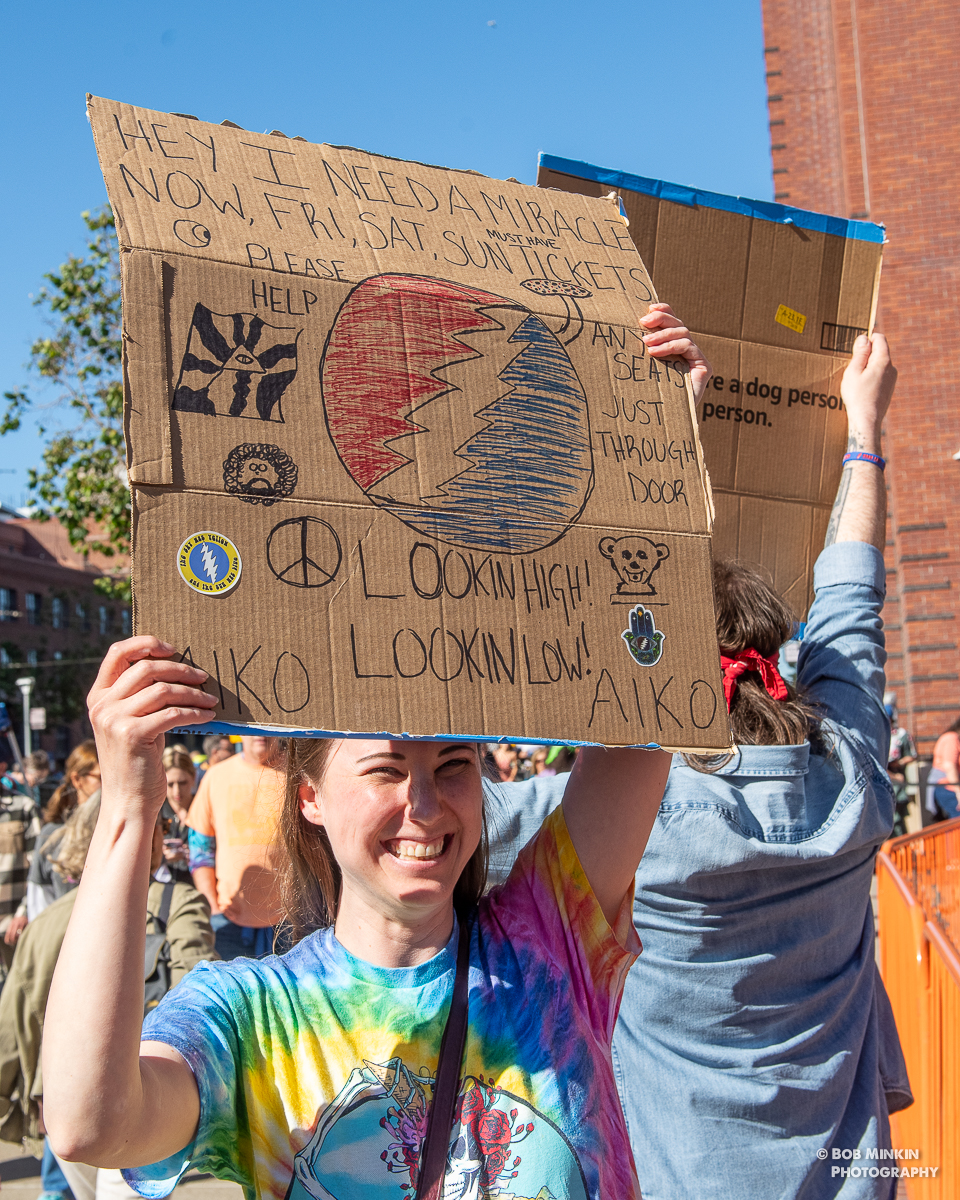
[
  {"x": 400, "y": 393},
  {"x": 775, "y": 297}
]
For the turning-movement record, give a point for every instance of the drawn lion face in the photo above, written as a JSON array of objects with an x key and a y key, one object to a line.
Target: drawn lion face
[{"x": 259, "y": 474}]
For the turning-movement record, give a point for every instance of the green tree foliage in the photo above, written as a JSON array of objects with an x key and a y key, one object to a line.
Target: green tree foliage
[{"x": 83, "y": 481}]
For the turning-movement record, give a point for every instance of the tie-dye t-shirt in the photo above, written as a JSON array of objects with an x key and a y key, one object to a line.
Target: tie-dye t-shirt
[{"x": 316, "y": 1069}]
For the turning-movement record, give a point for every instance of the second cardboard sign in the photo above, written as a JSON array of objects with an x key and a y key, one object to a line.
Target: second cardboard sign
[{"x": 776, "y": 297}]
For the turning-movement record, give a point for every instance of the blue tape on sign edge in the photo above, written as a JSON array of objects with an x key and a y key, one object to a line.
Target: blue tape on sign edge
[
  {"x": 286, "y": 731},
  {"x": 761, "y": 210}
]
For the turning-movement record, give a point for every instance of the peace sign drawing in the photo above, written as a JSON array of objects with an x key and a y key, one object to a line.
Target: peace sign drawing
[{"x": 304, "y": 552}]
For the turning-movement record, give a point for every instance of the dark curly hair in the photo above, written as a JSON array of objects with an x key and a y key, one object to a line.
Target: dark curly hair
[{"x": 281, "y": 462}]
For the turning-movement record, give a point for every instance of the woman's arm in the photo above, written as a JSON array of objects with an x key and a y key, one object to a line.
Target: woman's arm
[
  {"x": 612, "y": 799},
  {"x": 103, "y": 1103},
  {"x": 610, "y": 805}
]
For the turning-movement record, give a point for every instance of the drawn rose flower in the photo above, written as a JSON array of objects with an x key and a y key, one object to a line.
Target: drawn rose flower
[
  {"x": 471, "y": 1106},
  {"x": 493, "y": 1134}
]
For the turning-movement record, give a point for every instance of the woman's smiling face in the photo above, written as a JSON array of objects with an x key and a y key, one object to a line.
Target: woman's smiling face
[{"x": 403, "y": 820}]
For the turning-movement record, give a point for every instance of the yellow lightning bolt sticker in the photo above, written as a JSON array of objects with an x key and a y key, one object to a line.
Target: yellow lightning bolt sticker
[{"x": 209, "y": 563}]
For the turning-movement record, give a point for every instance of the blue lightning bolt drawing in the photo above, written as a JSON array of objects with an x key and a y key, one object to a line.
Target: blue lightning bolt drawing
[{"x": 209, "y": 561}]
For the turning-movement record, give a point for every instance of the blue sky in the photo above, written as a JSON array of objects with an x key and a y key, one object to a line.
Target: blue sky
[{"x": 482, "y": 85}]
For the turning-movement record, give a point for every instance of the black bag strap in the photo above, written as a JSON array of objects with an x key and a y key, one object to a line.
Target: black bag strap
[
  {"x": 166, "y": 900},
  {"x": 436, "y": 1143}
]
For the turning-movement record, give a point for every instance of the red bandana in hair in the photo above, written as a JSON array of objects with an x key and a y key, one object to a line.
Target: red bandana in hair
[{"x": 752, "y": 660}]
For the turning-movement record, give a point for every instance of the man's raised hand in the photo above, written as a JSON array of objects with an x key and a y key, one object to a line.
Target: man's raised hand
[{"x": 867, "y": 385}]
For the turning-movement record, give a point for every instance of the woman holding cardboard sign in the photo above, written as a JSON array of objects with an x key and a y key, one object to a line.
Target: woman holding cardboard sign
[
  {"x": 260, "y": 1070},
  {"x": 419, "y": 1034}
]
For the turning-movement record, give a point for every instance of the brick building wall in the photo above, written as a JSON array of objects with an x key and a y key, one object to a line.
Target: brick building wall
[
  {"x": 54, "y": 626},
  {"x": 864, "y": 100}
]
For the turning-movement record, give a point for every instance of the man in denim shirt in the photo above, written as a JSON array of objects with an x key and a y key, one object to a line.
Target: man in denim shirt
[{"x": 755, "y": 1036}]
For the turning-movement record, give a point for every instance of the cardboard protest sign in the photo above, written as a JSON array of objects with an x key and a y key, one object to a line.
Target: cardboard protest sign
[
  {"x": 376, "y": 486},
  {"x": 776, "y": 297}
]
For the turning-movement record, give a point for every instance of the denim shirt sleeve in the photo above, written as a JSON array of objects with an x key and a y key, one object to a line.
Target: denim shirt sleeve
[
  {"x": 842, "y": 655},
  {"x": 515, "y": 811}
]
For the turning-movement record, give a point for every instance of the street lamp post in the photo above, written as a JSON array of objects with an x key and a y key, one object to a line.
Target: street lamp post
[{"x": 25, "y": 684}]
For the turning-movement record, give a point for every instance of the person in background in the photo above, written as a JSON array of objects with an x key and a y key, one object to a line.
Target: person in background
[
  {"x": 24, "y": 999},
  {"x": 903, "y": 752},
  {"x": 48, "y": 780},
  {"x": 507, "y": 758},
  {"x": 35, "y": 777},
  {"x": 180, "y": 773},
  {"x": 755, "y": 1035},
  {"x": 37, "y": 769},
  {"x": 943, "y": 782},
  {"x": 231, "y": 829},
  {"x": 217, "y": 748},
  {"x": 524, "y": 765},
  {"x": 553, "y": 760},
  {"x": 538, "y": 760},
  {"x": 81, "y": 778},
  {"x": 19, "y": 830},
  {"x": 81, "y": 781},
  {"x": 559, "y": 760}
]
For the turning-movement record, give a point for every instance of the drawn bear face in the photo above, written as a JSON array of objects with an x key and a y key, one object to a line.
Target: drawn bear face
[{"x": 634, "y": 559}]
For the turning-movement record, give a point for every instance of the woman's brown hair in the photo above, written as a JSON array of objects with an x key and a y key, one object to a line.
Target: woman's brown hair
[
  {"x": 750, "y": 614},
  {"x": 177, "y": 758},
  {"x": 310, "y": 878},
  {"x": 67, "y": 846},
  {"x": 83, "y": 760}
]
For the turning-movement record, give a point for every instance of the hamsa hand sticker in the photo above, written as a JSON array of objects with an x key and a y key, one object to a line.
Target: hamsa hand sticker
[{"x": 644, "y": 640}]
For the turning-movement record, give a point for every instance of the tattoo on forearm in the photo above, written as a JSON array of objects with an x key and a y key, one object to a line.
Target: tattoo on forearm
[{"x": 840, "y": 502}]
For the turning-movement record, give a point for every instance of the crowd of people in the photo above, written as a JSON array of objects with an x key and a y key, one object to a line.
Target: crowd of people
[
  {"x": 514, "y": 763},
  {"x": 328, "y": 968}
]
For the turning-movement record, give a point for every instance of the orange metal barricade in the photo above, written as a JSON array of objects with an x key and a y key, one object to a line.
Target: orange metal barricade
[
  {"x": 918, "y": 882},
  {"x": 929, "y": 863}
]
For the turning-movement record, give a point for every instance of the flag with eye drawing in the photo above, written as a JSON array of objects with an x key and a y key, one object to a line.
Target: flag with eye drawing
[{"x": 235, "y": 365}]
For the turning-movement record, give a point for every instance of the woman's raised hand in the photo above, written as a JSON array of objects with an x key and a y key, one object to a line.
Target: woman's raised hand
[
  {"x": 101, "y": 1105},
  {"x": 666, "y": 336},
  {"x": 139, "y": 695}
]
